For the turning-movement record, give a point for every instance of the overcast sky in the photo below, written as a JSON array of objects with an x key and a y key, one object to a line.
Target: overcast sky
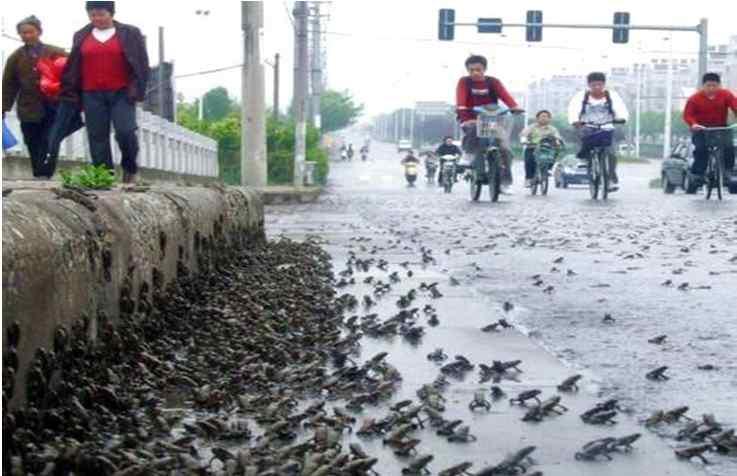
[{"x": 386, "y": 52}]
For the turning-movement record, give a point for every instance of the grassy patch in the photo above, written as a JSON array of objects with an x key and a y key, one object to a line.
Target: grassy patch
[{"x": 90, "y": 176}]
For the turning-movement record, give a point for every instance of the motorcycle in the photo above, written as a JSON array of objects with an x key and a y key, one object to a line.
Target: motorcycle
[
  {"x": 410, "y": 173},
  {"x": 431, "y": 167},
  {"x": 448, "y": 171},
  {"x": 364, "y": 156}
]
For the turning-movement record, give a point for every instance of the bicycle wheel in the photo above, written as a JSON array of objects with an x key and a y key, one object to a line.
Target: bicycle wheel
[
  {"x": 594, "y": 177},
  {"x": 719, "y": 176},
  {"x": 604, "y": 169},
  {"x": 475, "y": 185},
  {"x": 709, "y": 176},
  {"x": 544, "y": 179},
  {"x": 495, "y": 177}
]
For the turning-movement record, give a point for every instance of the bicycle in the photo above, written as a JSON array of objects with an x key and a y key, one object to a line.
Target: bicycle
[
  {"x": 714, "y": 176},
  {"x": 491, "y": 127},
  {"x": 546, "y": 154},
  {"x": 598, "y": 159}
]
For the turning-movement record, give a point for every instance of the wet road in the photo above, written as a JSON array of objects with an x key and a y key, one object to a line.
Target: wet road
[{"x": 657, "y": 264}]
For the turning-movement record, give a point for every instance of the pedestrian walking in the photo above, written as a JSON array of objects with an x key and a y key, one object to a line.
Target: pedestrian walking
[
  {"x": 107, "y": 71},
  {"x": 22, "y": 85}
]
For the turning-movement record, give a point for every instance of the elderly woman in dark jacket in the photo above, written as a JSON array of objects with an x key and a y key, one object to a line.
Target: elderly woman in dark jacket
[
  {"x": 21, "y": 81},
  {"x": 107, "y": 71}
]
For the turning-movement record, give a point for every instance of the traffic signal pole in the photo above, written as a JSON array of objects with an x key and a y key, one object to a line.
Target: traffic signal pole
[{"x": 447, "y": 23}]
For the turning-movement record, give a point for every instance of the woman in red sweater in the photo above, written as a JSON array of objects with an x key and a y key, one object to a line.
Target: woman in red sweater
[
  {"x": 709, "y": 107},
  {"x": 108, "y": 69}
]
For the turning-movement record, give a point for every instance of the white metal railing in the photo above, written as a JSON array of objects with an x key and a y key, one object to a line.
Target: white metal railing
[{"x": 163, "y": 146}]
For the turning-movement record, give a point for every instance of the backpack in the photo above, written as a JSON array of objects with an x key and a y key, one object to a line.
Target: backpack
[
  {"x": 488, "y": 80},
  {"x": 607, "y": 97}
]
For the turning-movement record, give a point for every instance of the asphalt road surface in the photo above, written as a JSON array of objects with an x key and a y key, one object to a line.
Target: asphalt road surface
[{"x": 655, "y": 264}]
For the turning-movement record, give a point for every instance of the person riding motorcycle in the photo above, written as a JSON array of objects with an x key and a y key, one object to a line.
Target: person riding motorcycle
[
  {"x": 407, "y": 162},
  {"x": 477, "y": 89},
  {"x": 431, "y": 165},
  {"x": 597, "y": 105},
  {"x": 343, "y": 152},
  {"x": 364, "y": 152},
  {"x": 447, "y": 147},
  {"x": 350, "y": 151},
  {"x": 709, "y": 107},
  {"x": 533, "y": 135}
]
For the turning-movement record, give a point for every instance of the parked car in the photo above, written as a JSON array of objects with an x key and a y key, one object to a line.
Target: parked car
[
  {"x": 570, "y": 170},
  {"x": 404, "y": 146},
  {"x": 674, "y": 169}
]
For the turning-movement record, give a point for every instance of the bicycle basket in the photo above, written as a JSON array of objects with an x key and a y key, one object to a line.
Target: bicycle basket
[{"x": 493, "y": 126}]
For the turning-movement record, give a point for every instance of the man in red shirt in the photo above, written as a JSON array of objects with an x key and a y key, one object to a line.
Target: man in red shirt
[
  {"x": 477, "y": 89},
  {"x": 709, "y": 107}
]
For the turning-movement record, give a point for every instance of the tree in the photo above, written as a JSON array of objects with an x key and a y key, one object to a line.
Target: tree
[
  {"x": 338, "y": 110},
  {"x": 217, "y": 104}
]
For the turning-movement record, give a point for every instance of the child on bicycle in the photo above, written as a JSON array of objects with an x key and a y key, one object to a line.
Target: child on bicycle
[
  {"x": 599, "y": 106},
  {"x": 709, "y": 107},
  {"x": 532, "y": 135}
]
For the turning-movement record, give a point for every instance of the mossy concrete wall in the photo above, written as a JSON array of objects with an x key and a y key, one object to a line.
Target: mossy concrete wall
[{"x": 67, "y": 257}]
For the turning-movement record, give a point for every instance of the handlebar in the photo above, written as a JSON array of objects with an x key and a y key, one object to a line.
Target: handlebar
[
  {"x": 496, "y": 111},
  {"x": 597, "y": 125}
]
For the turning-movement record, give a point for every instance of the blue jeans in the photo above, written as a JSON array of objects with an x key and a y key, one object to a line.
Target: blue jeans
[{"x": 100, "y": 109}]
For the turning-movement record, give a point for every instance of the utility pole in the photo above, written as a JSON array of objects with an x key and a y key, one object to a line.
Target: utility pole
[
  {"x": 300, "y": 90},
  {"x": 396, "y": 126},
  {"x": 276, "y": 86},
  {"x": 703, "y": 49},
  {"x": 253, "y": 109},
  {"x": 160, "y": 94},
  {"x": 638, "y": 108},
  {"x": 668, "y": 102},
  {"x": 316, "y": 79}
]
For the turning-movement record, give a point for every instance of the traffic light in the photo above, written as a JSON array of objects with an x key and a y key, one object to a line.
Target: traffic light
[
  {"x": 446, "y": 28},
  {"x": 489, "y": 25},
  {"x": 621, "y": 35},
  {"x": 534, "y": 33}
]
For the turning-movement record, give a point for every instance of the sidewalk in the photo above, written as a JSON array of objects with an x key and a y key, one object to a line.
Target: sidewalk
[{"x": 286, "y": 194}]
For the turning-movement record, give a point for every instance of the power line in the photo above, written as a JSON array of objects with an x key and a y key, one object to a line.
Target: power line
[
  {"x": 289, "y": 13},
  {"x": 209, "y": 71}
]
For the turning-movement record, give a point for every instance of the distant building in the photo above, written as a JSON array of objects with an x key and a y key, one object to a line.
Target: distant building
[{"x": 730, "y": 66}]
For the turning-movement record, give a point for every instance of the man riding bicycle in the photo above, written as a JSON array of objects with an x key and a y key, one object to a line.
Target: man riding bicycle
[
  {"x": 447, "y": 148},
  {"x": 709, "y": 107},
  {"x": 533, "y": 135},
  {"x": 474, "y": 90},
  {"x": 598, "y": 106}
]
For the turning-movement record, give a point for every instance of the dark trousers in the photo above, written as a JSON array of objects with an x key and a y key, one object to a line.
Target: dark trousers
[
  {"x": 701, "y": 151},
  {"x": 36, "y": 138},
  {"x": 100, "y": 109},
  {"x": 472, "y": 144},
  {"x": 529, "y": 163}
]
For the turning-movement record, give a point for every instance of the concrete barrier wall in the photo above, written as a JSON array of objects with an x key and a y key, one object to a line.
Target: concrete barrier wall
[{"x": 68, "y": 257}]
